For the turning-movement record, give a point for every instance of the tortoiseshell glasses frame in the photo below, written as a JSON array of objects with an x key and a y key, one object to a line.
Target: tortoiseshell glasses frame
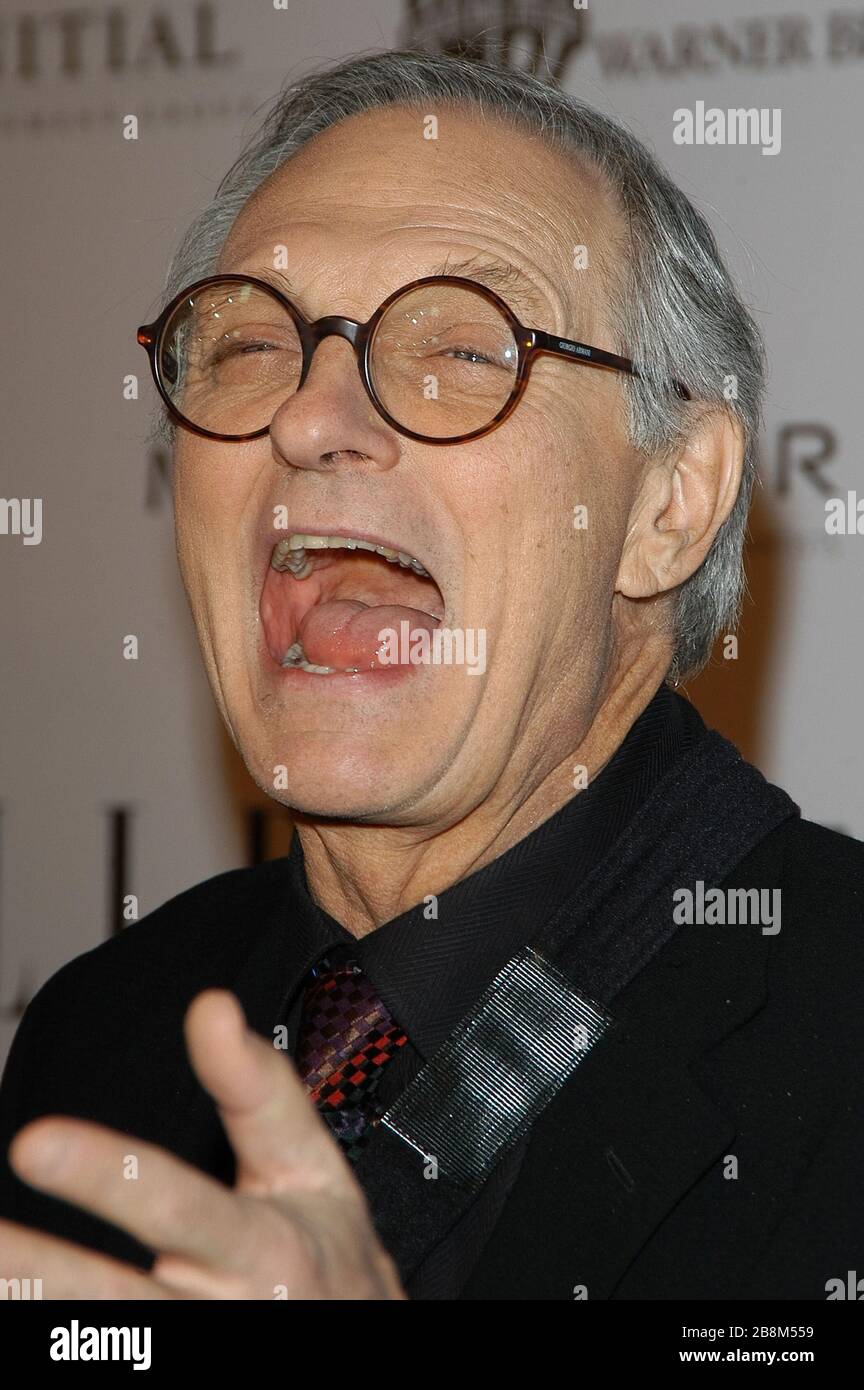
[{"x": 530, "y": 343}]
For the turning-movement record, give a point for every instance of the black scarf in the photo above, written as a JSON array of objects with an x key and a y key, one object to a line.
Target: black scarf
[{"x": 468, "y": 1114}]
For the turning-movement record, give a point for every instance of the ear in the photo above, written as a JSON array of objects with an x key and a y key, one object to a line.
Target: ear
[{"x": 682, "y": 503}]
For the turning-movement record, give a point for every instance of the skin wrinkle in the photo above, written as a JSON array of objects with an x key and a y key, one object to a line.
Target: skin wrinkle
[
  {"x": 397, "y": 795},
  {"x": 496, "y": 274}
]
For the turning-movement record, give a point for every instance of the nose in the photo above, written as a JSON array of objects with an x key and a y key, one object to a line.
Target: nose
[{"x": 329, "y": 422}]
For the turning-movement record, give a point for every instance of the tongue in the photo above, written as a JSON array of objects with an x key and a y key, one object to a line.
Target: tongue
[{"x": 344, "y": 632}]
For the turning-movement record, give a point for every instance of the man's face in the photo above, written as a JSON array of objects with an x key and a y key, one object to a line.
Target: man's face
[{"x": 363, "y": 209}]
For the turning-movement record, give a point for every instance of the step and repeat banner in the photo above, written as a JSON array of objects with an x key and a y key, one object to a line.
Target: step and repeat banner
[{"x": 118, "y": 784}]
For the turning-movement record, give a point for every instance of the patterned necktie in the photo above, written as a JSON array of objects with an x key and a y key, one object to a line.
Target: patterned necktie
[{"x": 345, "y": 1039}]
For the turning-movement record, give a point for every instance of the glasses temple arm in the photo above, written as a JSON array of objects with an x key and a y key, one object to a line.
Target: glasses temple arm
[{"x": 592, "y": 357}]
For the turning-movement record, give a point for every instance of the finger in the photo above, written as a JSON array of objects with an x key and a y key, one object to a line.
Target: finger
[
  {"x": 280, "y": 1142},
  {"x": 160, "y": 1200},
  {"x": 69, "y": 1271}
]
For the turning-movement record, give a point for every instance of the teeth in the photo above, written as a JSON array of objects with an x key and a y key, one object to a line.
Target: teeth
[
  {"x": 316, "y": 670},
  {"x": 296, "y": 659},
  {"x": 290, "y": 554}
]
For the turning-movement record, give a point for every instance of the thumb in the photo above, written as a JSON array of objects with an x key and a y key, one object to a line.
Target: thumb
[{"x": 280, "y": 1142}]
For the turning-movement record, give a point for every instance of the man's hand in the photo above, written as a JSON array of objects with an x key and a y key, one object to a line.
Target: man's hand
[{"x": 295, "y": 1225}]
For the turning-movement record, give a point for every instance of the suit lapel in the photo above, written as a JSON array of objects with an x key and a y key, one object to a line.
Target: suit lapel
[{"x": 631, "y": 1132}]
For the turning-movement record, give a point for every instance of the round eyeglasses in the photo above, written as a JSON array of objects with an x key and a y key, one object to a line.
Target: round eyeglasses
[{"x": 443, "y": 359}]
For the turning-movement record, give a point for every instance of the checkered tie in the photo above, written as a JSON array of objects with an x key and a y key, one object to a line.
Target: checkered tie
[{"x": 345, "y": 1040}]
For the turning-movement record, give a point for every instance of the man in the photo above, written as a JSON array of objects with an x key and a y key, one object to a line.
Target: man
[{"x": 570, "y": 991}]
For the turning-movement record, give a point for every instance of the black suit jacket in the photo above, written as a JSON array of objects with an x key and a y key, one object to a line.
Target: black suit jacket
[{"x": 712, "y": 1146}]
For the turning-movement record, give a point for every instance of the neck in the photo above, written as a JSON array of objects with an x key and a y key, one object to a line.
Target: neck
[{"x": 365, "y": 875}]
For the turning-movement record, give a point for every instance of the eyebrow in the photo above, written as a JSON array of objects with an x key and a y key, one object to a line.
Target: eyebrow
[
  {"x": 277, "y": 278},
  {"x": 498, "y": 275},
  {"x": 502, "y": 277}
]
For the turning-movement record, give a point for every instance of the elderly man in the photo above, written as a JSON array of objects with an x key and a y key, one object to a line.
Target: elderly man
[{"x": 463, "y": 405}]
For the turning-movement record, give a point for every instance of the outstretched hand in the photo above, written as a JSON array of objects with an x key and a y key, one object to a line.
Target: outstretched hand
[{"x": 295, "y": 1225}]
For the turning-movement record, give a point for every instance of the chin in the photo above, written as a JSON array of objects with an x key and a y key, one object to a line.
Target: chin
[{"x": 331, "y": 776}]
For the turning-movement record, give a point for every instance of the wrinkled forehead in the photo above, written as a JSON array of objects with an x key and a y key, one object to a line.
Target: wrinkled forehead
[{"x": 379, "y": 195}]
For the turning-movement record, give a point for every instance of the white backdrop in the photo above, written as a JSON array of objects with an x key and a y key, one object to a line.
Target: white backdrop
[{"x": 101, "y": 754}]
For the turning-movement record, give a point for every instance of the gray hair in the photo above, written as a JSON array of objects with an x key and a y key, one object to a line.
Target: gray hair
[{"x": 675, "y": 309}]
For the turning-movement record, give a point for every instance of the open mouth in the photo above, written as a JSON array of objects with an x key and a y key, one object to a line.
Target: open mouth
[{"x": 327, "y": 599}]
